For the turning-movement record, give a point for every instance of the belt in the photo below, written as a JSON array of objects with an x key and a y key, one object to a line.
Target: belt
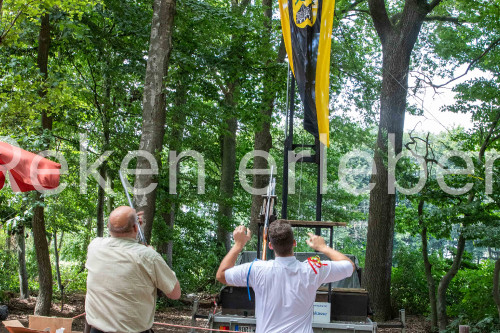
[{"x": 96, "y": 330}]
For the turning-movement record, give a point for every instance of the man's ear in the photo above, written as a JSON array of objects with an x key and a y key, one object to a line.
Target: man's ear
[
  {"x": 294, "y": 243},
  {"x": 270, "y": 246}
]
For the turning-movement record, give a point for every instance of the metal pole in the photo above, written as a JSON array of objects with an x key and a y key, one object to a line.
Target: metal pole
[
  {"x": 288, "y": 147},
  {"x": 142, "y": 239},
  {"x": 259, "y": 244},
  {"x": 319, "y": 196},
  {"x": 330, "y": 285}
]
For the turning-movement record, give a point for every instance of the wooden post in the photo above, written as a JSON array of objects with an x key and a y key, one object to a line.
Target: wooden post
[
  {"x": 402, "y": 317},
  {"x": 463, "y": 329},
  {"x": 193, "y": 314}
]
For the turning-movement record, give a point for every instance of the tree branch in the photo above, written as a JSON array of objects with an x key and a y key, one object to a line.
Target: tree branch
[
  {"x": 21, "y": 11},
  {"x": 380, "y": 19},
  {"x": 443, "y": 19},
  {"x": 243, "y": 5},
  {"x": 471, "y": 64},
  {"x": 362, "y": 11},
  {"x": 352, "y": 6},
  {"x": 487, "y": 140},
  {"x": 433, "y": 5}
]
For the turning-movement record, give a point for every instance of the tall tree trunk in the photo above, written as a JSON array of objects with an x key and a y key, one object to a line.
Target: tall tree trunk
[
  {"x": 496, "y": 291},
  {"x": 228, "y": 171},
  {"x": 103, "y": 170},
  {"x": 44, "y": 299},
  {"x": 86, "y": 241},
  {"x": 21, "y": 258},
  {"x": 397, "y": 45},
  {"x": 58, "y": 271},
  {"x": 445, "y": 282},
  {"x": 431, "y": 283},
  {"x": 178, "y": 123},
  {"x": 228, "y": 152},
  {"x": 100, "y": 203},
  {"x": 153, "y": 113},
  {"x": 111, "y": 201},
  {"x": 167, "y": 247},
  {"x": 262, "y": 138}
]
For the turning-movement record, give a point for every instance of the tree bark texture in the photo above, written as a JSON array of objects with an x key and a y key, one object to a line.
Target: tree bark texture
[
  {"x": 21, "y": 258},
  {"x": 100, "y": 203},
  {"x": 44, "y": 299},
  {"x": 445, "y": 282},
  {"x": 153, "y": 114},
  {"x": 106, "y": 134},
  {"x": 58, "y": 271},
  {"x": 262, "y": 138},
  {"x": 397, "y": 44},
  {"x": 228, "y": 171},
  {"x": 431, "y": 283},
  {"x": 178, "y": 123},
  {"x": 228, "y": 137}
]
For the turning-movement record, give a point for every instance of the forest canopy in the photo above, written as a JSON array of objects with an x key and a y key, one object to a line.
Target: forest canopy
[{"x": 190, "y": 89}]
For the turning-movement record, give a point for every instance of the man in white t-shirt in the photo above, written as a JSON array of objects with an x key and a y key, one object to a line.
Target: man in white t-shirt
[{"x": 285, "y": 288}]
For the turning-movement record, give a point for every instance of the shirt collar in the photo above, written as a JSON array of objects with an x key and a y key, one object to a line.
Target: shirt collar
[
  {"x": 125, "y": 239},
  {"x": 286, "y": 260}
]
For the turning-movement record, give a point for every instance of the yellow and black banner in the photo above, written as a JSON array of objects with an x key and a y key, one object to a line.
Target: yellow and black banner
[{"x": 307, "y": 31}]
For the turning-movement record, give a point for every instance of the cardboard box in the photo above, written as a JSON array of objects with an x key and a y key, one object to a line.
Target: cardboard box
[
  {"x": 39, "y": 324},
  {"x": 321, "y": 312}
]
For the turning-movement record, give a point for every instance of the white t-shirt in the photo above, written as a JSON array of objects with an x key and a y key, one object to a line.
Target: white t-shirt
[{"x": 285, "y": 290}]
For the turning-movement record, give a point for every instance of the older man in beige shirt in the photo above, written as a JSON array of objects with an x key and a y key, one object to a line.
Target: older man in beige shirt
[{"x": 123, "y": 276}]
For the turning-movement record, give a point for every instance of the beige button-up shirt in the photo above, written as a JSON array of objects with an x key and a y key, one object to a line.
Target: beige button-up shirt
[{"x": 123, "y": 276}]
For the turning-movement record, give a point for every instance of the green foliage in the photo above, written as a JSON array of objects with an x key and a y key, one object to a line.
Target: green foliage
[
  {"x": 408, "y": 282},
  {"x": 485, "y": 325},
  {"x": 471, "y": 294},
  {"x": 73, "y": 278},
  {"x": 9, "y": 280}
]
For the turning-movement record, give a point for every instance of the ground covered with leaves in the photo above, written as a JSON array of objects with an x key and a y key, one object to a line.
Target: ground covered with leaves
[{"x": 180, "y": 315}]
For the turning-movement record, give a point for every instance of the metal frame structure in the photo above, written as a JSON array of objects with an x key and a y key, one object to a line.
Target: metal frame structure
[{"x": 290, "y": 146}]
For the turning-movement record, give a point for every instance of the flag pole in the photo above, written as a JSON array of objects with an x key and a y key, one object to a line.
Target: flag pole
[{"x": 288, "y": 144}]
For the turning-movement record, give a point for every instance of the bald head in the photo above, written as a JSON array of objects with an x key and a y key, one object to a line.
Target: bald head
[{"x": 121, "y": 221}]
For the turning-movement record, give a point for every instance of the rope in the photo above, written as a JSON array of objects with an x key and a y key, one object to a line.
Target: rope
[
  {"x": 80, "y": 315},
  {"x": 248, "y": 279},
  {"x": 179, "y": 326},
  {"x": 196, "y": 328}
]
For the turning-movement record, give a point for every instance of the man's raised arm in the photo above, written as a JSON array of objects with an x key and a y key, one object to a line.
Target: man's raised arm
[
  {"x": 318, "y": 244},
  {"x": 241, "y": 236}
]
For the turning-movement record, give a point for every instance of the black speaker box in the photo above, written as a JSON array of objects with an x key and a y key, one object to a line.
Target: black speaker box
[
  {"x": 349, "y": 305},
  {"x": 235, "y": 301}
]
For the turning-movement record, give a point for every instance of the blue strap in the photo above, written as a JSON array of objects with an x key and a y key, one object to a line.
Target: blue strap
[{"x": 248, "y": 278}]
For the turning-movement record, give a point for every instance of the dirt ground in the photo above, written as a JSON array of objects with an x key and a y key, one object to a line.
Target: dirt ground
[{"x": 21, "y": 309}]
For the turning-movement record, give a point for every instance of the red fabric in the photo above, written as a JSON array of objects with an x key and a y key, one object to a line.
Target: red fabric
[
  {"x": 23, "y": 169},
  {"x": 2, "y": 179}
]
